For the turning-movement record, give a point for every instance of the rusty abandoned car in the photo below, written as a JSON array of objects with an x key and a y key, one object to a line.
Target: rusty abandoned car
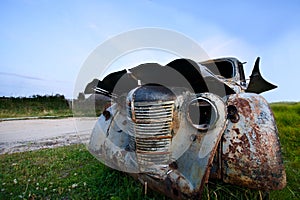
[{"x": 173, "y": 127}]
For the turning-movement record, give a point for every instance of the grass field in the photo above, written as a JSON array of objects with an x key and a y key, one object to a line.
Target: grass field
[
  {"x": 72, "y": 173},
  {"x": 287, "y": 117}
]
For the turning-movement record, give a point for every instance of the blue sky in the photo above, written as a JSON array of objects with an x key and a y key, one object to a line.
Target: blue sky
[{"x": 45, "y": 43}]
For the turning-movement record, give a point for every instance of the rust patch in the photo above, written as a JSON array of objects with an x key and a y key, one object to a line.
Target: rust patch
[
  {"x": 251, "y": 150},
  {"x": 237, "y": 130},
  {"x": 243, "y": 106},
  {"x": 106, "y": 115},
  {"x": 175, "y": 122}
]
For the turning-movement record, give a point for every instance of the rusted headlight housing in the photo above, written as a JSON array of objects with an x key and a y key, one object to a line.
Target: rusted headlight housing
[{"x": 202, "y": 113}]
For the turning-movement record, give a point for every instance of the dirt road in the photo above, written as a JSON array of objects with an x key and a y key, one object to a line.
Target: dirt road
[{"x": 25, "y": 135}]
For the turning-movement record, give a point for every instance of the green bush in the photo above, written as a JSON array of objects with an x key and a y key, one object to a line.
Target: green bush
[{"x": 54, "y": 105}]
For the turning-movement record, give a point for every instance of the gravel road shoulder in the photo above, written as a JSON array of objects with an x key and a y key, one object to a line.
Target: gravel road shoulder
[{"x": 33, "y": 134}]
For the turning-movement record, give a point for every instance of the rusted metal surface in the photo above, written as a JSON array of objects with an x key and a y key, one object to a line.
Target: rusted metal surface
[
  {"x": 151, "y": 125},
  {"x": 251, "y": 152},
  {"x": 173, "y": 139},
  {"x": 169, "y": 150},
  {"x": 185, "y": 177}
]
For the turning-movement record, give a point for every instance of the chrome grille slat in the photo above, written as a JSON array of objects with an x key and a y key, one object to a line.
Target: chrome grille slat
[
  {"x": 147, "y": 135},
  {"x": 153, "y": 130},
  {"x": 148, "y": 115},
  {"x": 151, "y": 124},
  {"x": 155, "y": 103}
]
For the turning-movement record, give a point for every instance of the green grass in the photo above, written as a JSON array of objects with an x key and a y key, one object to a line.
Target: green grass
[
  {"x": 64, "y": 173},
  {"x": 72, "y": 173},
  {"x": 287, "y": 117}
]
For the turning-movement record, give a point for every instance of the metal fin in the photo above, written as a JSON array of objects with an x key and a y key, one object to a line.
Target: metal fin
[{"x": 257, "y": 83}]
